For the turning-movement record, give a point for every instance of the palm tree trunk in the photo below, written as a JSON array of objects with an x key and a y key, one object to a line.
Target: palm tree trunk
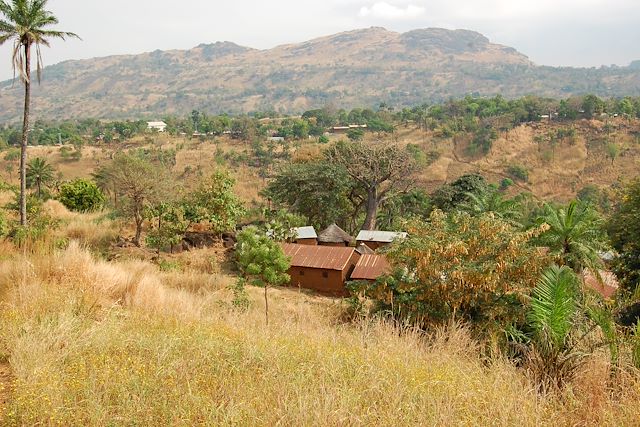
[{"x": 25, "y": 136}]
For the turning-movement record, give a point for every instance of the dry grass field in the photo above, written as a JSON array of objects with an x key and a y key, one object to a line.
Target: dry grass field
[{"x": 91, "y": 342}]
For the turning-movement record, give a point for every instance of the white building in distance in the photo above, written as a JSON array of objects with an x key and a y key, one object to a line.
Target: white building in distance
[{"x": 159, "y": 126}]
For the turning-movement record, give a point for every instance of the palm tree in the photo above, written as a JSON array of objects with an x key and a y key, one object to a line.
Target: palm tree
[
  {"x": 553, "y": 316},
  {"x": 27, "y": 23},
  {"x": 575, "y": 235},
  {"x": 39, "y": 173},
  {"x": 492, "y": 201}
]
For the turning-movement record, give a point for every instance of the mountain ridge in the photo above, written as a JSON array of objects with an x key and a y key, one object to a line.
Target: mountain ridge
[{"x": 360, "y": 67}]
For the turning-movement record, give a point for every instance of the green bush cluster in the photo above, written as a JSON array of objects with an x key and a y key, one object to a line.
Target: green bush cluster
[{"x": 81, "y": 195}]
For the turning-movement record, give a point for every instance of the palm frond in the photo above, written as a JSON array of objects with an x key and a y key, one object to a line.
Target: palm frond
[{"x": 554, "y": 306}]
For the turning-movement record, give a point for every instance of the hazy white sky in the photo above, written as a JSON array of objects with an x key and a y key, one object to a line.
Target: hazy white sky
[{"x": 550, "y": 32}]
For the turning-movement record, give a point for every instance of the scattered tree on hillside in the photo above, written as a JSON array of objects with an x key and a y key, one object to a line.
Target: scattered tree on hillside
[
  {"x": 624, "y": 231},
  {"x": 214, "y": 204},
  {"x": 27, "y": 23},
  {"x": 138, "y": 183},
  {"x": 317, "y": 189},
  {"x": 39, "y": 173},
  {"x": 454, "y": 195},
  {"x": 262, "y": 261},
  {"x": 492, "y": 201},
  {"x": 380, "y": 170},
  {"x": 575, "y": 235},
  {"x": 167, "y": 225}
]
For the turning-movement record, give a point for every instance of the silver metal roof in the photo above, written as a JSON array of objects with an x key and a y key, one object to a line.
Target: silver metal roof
[
  {"x": 379, "y": 236},
  {"x": 305, "y": 232}
]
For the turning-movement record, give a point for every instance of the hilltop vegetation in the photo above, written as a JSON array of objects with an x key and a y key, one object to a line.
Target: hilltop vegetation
[{"x": 361, "y": 67}]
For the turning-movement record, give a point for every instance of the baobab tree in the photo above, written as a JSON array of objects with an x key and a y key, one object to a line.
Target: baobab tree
[{"x": 381, "y": 170}]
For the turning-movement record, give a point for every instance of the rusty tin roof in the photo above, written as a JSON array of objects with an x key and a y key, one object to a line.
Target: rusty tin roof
[
  {"x": 324, "y": 257},
  {"x": 370, "y": 267}
]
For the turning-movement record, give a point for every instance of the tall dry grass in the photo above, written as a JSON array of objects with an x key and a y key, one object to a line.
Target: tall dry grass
[{"x": 98, "y": 343}]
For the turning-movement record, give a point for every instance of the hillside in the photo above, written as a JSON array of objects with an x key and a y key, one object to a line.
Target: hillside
[
  {"x": 92, "y": 342},
  {"x": 557, "y": 167},
  {"x": 361, "y": 67}
]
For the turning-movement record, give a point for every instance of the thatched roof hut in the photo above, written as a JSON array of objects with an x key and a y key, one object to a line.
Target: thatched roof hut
[{"x": 334, "y": 236}]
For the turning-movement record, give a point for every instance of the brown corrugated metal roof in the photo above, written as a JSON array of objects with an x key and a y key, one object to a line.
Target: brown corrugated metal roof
[
  {"x": 324, "y": 257},
  {"x": 607, "y": 288},
  {"x": 370, "y": 267}
]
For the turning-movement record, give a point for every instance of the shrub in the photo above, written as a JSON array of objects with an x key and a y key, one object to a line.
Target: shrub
[
  {"x": 518, "y": 172},
  {"x": 81, "y": 195},
  {"x": 506, "y": 183},
  {"x": 3, "y": 225},
  {"x": 476, "y": 269}
]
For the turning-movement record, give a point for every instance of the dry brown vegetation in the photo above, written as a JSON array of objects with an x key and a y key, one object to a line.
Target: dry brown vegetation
[
  {"x": 556, "y": 171},
  {"x": 94, "y": 342}
]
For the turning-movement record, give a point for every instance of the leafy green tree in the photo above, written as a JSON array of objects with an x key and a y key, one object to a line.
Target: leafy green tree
[
  {"x": 168, "y": 225},
  {"x": 355, "y": 134},
  {"x": 613, "y": 151},
  {"x": 575, "y": 235},
  {"x": 454, "y": 195},
  {"x": 27, "y": 23},
  {"x": 262, "y": 261},
  {"x": 39, "y": 173},
  {"x": 81, "y": 195},
  {"x": 415, "y": 204},
  {"x": 624, "y": 231},
  {"x": 214, "y": 204},
  {"x": 592, "y": 105},
  {"x": 4, "y": 226},
  {"x": 317, "y": 190}
]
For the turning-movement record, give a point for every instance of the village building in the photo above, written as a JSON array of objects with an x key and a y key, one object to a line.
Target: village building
[
  {"x": 304, "y": 235},
  {"x": 345, "y": 129},
  {"x": 606, "y": 285},
  {"x": 377, "y": 239},
  {"x": 334, "y": 236},
  {"x": 159, "y": 126},
  {"x": 370, "y": 267},
  {"x": 363, "y": 249},
  {"x": 321, "y": 268}
]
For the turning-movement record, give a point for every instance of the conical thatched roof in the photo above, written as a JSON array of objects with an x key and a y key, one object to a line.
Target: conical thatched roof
[{"x": 334, "y": 234}]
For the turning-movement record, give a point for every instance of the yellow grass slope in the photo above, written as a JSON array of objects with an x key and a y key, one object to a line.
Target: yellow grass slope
[{"x": 97, "y": 343}]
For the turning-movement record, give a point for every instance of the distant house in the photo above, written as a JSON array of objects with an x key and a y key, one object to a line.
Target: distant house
[
  {"x": 334, "y": 236},
  {"x": 275, "y": 139},
  {"x": 370, "y": 267},
  {"x": 345, "y": 129},
  {"x": 321, "y": 268},
  {"x": 305, "y": 235},
  {"x": 159, "y": 126},
  {"x": 376, "y": 239}
]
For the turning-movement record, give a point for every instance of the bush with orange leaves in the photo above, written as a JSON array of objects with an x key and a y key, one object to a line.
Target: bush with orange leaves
[{"x": 475, "y": 269}]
